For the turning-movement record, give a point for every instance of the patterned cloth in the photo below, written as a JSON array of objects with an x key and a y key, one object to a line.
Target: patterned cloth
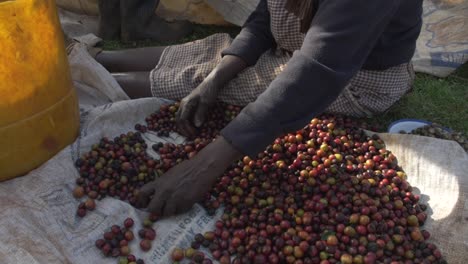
[
  {"x": 183, "y": 67},
  {"x": 285, "y": 26}
]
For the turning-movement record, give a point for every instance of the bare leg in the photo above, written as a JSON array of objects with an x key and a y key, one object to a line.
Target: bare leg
[
  {"x": 135, "y": 84},
  {"x": 130, "y": 60}
]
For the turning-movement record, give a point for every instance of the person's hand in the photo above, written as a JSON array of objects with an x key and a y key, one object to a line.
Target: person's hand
[
  {"x": 181, "y": 187},
  {"x": 194, "y": 107}
]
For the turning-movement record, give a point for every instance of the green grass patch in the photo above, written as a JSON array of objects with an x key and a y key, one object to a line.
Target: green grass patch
[{"x": 444, "y": 101}]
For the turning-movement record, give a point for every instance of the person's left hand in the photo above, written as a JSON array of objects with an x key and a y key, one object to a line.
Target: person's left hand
[{"x": 181, "y": 187}]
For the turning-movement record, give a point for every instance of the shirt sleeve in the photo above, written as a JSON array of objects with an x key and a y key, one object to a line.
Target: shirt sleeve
[
  {"x": 337, "y": 44},
  {"x": 255, "y": 37}
]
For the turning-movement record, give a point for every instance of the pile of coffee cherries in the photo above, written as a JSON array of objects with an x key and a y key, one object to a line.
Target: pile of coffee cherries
[
  {"x": 437, "y": 131},
  {"x": 115, "y": 242},
  {"x": 163, "y": 121},
  {"x": 328, "y": 193},
  {"x": 118, "y": 168},
  {"x": 147, "y": 233},
  {"x": 115, "y": 168}
]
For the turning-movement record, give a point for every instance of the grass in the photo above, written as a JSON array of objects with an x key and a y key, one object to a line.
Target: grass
[
  {"x": 440, "y": 100},
  {"x": 443, "y": 101},
  {"x": 199, "y": 32}
]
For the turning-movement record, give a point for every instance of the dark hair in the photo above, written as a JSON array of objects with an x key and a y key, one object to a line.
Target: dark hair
[{"x": 304, "y": 10}]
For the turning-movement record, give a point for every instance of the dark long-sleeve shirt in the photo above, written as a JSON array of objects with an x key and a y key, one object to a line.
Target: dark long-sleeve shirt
[{"x": 345, "y": 36}]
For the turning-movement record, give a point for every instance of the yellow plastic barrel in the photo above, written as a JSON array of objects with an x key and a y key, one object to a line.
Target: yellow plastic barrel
[{"x": 39, "y": 113}]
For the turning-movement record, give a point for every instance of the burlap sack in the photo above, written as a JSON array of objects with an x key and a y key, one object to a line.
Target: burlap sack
[{"x": 438, "y": 169}]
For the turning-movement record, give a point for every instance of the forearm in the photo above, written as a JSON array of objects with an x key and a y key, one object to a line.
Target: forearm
[
  {"x": 226, "y": 153},
  {"x": 229, "y": 67}
]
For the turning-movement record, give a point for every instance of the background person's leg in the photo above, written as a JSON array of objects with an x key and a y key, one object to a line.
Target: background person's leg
[
  {"x": 134, "y": 84},
  {"x": 140, "y": 22},
  {"x": 109, "y": 19},
  {"x": 131, "y": 60}
]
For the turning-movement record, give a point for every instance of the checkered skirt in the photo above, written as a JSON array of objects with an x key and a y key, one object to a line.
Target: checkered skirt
[{"x": 183, "y": 67}]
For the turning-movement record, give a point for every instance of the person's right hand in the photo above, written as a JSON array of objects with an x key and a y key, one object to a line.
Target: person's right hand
[
  {"x": 194, "y": 107},
  {"x": 182, "y": 186}
]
